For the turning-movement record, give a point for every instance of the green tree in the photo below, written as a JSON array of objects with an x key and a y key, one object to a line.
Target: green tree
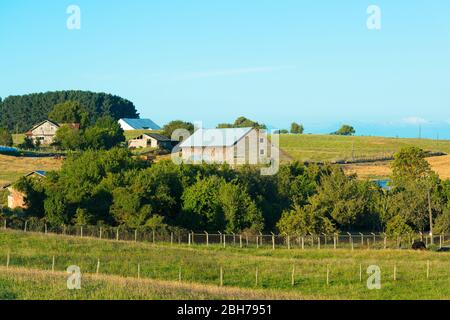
[
  {"x": 201, "y": 206},
  {"x": 442, "y": 222},
  {"x": 304, "y": 220},
  {"x": 5, "y": 138},
  {"x": 69, "y": 112},
  {"x": 297, "y": 128},
  {"x": 345, "y": 130},
  {"x": 68, "y": 138},
  {"x": 343, "y": 199},
  {"x": 241, "y": 212},
  {"x": 410, "y": 164},
  {"x": 242, "y": 122},
  {"x": 127, "y": 208},
  {"x": 105, "y": 134},
  {"x": 398, "y": 226},
  {"x": 170, "y": 127},
  {"x": 82, "y": 217}
]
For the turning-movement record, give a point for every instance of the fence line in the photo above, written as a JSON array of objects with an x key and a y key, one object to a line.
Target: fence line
[{"x": 369, "y": 241}]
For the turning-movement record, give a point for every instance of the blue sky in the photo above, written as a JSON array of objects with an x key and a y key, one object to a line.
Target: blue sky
[{"x": 280, "y": 61}]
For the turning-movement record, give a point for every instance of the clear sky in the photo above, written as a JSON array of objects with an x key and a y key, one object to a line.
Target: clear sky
[{"x": 276, "y": 61}]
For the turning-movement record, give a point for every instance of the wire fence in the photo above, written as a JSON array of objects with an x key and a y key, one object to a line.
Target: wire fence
[{"x": 178, "y": 236}]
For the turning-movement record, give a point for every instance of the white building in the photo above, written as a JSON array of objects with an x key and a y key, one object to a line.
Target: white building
[{"x": 230, "y": 145}]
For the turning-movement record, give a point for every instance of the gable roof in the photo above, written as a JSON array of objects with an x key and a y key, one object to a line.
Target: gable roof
[
  {"x": 225, "y": 137},
  {"x": 141, "y": 124},
  {"x": 41, "y": 123},
  {"x": 156, "y": 136}
]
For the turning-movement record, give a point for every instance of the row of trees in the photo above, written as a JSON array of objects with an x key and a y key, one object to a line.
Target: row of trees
[
  {"x": 20, "y": 113},
  {"x": 111, "y": 187}
]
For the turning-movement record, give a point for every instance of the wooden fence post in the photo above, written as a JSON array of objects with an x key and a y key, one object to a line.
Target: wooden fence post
[
  {"x": 154, "y": 237},
  {"x": 101, "y": 230},
  {"x": 189, "y": 238},
  {"x": 256, "y": 277},
  {"x": 350, "y": 239},
  {"x": 362, "y": 239},
  {"x": 171, "y": 238},
  {"x": 45, "y": 228},
  {"x": 224, "y": 240},
  {"x": 220, "y": 237},
  {"x": 293, "y": 276},
  {"x": 135, "y": 235},
  {"x": 8, "y": 258},
  {"x": 318, "y": 241},
  {"x": 240, "y": 240},
  {"x": 440, "y": 241},
  {"x": 53, "y": 264},
  {"x": 257, "y": 242},
  {"x": 273, "y": 241},
  {"x": 193, "y": 240},
  {"x": 303, "y": 243},
  {"x": 395, "y": 272},
  {"x": 139, "y": 271},
  {"x": 25, "y": 229},
  {"x": 81, "y": 231},
  {"x": 179, "y": 274},
  {"x": 98, "y": 266},
  {"x": 385, "y": 241},
  {"x": 4, "y": 224},
  {"x": 117, "y": 234},
  {"x": 328, "y": 275},
  {"x": 207, "y": 238},
  {"x": 334, "y": 242},
  {"x": 288, "y": 242}
]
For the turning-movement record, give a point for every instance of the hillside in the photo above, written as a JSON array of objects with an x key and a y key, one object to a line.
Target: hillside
[
  {"x": 12, "y": 168},
  {"x": 31, "y": 258},
  {"x": 328, "y": 148},
  {"x": 20, "y": 113}
]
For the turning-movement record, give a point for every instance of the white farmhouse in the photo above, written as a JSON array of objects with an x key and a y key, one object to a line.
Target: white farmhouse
[{"x": 230, "y": 145}]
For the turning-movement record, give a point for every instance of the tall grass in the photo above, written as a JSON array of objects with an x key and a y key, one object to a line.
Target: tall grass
[{"x": 201, "y": 265}]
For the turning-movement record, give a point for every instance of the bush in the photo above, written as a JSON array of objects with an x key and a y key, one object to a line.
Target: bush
[
  {"x": 397, "y": 226},
  {"x": 442, "y": 223}
]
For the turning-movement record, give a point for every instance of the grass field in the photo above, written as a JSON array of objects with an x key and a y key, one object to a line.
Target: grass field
[
  {"x": 12, "y": 168},
  {"x": 31, "y": 255},
  {"x": 327, "y": 148}
]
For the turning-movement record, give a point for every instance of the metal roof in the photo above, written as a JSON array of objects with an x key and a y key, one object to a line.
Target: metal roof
[
  {"x": 226, "y": 137},
  {"x": 141, "y": 124}
]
